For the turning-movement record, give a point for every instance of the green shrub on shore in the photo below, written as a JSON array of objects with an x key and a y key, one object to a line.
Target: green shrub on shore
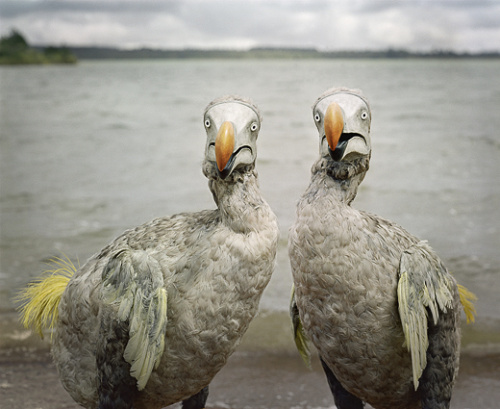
[{"x": 14, "y": 50}]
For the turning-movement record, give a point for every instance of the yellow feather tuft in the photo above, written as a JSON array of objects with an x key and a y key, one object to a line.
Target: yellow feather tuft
[
  {"x": 40, "y": 299},
  {"x": 467, "y": 299}
]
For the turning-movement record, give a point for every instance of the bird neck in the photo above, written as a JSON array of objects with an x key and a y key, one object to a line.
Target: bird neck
[
  {"x": 340, "y": 179},
  {"x": 240, "y": 201}
]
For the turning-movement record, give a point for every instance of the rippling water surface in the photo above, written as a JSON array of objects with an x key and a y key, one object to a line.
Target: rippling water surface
[{"x": 90, "y": 150}]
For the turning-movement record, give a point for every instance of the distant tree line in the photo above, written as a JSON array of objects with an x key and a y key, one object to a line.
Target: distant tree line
[
  {"x": 14, "y": 49},
  {"x": 263, "y": 53}
]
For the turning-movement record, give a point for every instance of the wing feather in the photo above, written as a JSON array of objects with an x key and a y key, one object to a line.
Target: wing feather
[
  {"x": 133, "y": 285},
  {"x": 299, "y": 335},
  {"x": 424, "y": 286}
]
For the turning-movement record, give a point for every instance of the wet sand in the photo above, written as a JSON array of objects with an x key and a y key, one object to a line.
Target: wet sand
[
  {"x": 29, "y": 380},
  {"x": 252, "y": 378}
]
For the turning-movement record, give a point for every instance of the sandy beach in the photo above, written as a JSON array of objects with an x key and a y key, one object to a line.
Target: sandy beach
[
  {"x": 261, "y": 374},
  {"x": 28, "y": 379}
]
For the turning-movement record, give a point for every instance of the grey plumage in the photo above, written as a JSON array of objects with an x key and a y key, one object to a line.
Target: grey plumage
[
  {"x": 156, "y": 314},
  {"x": 348, "y": 266}
]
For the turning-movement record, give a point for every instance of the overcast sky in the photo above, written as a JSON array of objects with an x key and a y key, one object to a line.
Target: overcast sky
[{"x": 418, "y": 25}]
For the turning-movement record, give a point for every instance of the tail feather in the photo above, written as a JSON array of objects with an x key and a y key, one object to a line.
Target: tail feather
[
  {"x": 40, "y": 299},
  {"x": 467, "y": 299}
]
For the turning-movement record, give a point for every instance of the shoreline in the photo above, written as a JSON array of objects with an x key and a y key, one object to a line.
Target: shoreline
[
  {"x": 249, "y": 380},
  {"x": 264, "y": 372}
]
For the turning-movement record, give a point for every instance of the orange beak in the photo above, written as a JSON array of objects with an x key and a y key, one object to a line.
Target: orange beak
[
  {"x": 224, "y": 145},
  {"x": 334, "y": 124}
]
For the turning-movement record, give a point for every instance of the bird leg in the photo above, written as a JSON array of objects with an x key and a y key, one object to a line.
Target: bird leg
[
  {"x": 197, "y": 401},
  {"x": 343, "y": 399}
]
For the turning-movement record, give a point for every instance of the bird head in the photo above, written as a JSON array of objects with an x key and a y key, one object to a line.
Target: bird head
[
  {"x": 343, "y": 119},
  {"x": 232, "y": 125}
]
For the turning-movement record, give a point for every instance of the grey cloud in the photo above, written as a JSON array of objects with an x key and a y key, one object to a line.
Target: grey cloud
[
  {"x": 15, "y": 8},
  {"x": 326, "y": 24}
]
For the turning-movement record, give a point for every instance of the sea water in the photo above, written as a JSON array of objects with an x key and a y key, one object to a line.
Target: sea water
[{"x": 90, "y": 150}]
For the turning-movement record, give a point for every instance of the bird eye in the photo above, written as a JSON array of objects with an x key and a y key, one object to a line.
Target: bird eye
[
  {"x": 207, "y": 123},
  {"x": 317, "y": 118},
  {"x": 254, "y": 126},
  {"x": 364, "y": 115}
]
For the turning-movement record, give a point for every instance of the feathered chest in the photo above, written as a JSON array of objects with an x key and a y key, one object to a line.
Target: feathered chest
[
  {"x": 340, "y": 241},
  {"x": 199, "y": 252},
  {"x": 214, "y": 285},
  {"x": 225, "y": 268},
  {"x": 345, "y": 265}
]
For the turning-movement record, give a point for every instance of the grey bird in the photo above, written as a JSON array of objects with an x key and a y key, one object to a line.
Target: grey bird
[
  {"x": 377, "y": 303},
  {"x": 152, "y": 318}
]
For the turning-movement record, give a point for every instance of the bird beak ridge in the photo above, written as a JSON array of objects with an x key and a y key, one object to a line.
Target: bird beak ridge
[{"x": 224, "y": 147}]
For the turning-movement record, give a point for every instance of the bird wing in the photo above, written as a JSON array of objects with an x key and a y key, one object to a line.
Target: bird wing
[
  {"x": 133, "y": 286},
  {"x": 424, "y": 285},
  {"x": 301, "y": 341}
]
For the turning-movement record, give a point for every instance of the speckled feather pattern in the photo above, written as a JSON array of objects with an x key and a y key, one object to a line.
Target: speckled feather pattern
[
  {"x": 345, "y": 266},
  {"x": 215, "y": 265}
]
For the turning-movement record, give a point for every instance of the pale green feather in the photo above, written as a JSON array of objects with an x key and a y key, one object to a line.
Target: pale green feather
[
  {"x": 133, "y": 285},
  {"x": 40, "y": 299},
  {"x": 424, "y": 285},
  {"x": 299, "y": 335},
  {"x": 414, "y": 321}
]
